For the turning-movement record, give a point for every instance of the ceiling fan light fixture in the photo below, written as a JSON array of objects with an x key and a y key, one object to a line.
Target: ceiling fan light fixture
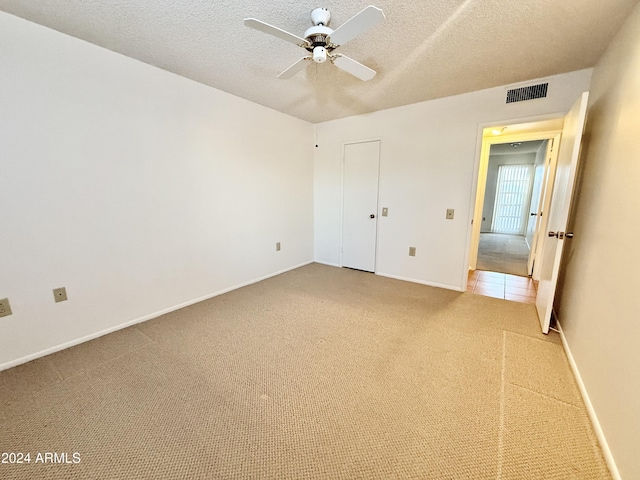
[{"x": 319, "y": 54}]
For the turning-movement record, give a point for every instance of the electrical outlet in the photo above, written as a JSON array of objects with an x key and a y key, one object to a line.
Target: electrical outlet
[
  {"x": 60, "y": 294},
  {"x": 5, "y": 308},
  {"x": 277, "y": 246},
  {"x": 412, "y": 251},
  {"x": 450, "y": 213},
  {"x": 385, "y": 212}
]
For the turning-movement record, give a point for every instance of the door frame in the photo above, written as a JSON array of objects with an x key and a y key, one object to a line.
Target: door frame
[
  {"x": 489, "y": 139},
  {"x": 343, "y": 148}
]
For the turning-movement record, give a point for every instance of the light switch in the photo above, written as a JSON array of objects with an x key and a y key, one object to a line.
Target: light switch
[
  {"x": 450, "y": 213},
  {"x": 385, "y": 212}
]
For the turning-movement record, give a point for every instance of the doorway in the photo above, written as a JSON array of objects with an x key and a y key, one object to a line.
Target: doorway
[
  {"x": 516, "y": 242},
  {"x": 510, "y": 197},
  {"x": 519, "y": 244},
  {"x": 361, "y": 167}
]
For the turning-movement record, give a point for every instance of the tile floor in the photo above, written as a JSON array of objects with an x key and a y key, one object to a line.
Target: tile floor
[{"x": 502, "y": 285}]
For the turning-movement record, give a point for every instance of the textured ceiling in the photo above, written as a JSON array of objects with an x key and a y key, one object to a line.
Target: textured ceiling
[{"x": 423, "y": 50}]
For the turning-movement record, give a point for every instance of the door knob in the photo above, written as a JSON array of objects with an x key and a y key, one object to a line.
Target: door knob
[
  {"x": 372, "y": 216},
  {"x": 569, "y": 235},
  {"x": 553, "y": 234},
  {"x": 534, "y": 214}
]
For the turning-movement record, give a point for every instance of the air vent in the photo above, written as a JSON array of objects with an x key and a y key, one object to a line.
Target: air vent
[{"x": 527, "y": 93}]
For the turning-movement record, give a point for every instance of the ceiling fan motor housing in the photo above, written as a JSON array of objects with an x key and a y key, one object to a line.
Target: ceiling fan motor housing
[{"x": 317, "y": 37}]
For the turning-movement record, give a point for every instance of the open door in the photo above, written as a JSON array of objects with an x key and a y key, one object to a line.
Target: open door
[
  {"x": 567, "y": 165},
  {"x": 535, "y": 206},
  {"x": 545, "y": 203}
]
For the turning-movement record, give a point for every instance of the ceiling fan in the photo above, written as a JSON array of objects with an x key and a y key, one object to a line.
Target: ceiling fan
[{"x": 321, "y": 41}]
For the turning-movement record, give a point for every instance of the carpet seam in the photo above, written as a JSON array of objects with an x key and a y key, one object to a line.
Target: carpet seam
[
  {"x": 545, "y": 396},
  {"x": 501, "y": 424},
  {"x": 55, "y": 369}
]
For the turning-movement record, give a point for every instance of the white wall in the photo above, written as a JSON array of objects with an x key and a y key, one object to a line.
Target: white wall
[
  {"x": 428, "y": 164},
  {"x": 136, "y": 189},
  {"x": 495, "y": 161},
  {"x": 598, "y": 302}
]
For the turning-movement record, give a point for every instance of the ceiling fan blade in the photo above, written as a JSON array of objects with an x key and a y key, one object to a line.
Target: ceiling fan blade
[
  {"x": 295, "y": 68},
  {"x": 357, "y": 24},
  {"x": 275, "y": 31},
  {"x": 356, "y": 69}
]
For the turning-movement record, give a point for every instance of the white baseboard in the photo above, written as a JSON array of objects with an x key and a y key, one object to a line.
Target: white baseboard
[
  {"x": 608, "y": 456},
  {"x": 421, "y": 282},
  {"x": 92, "y": 336}
]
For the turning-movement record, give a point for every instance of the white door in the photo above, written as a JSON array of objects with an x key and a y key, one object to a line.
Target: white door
[
  {"x": 535, "y": 207},
  {"x": 568, "y": 157},
  {"x": 545, "y": 204},
  {"x": 532, "y": 221},
  {"x": 360, "y": 205}
]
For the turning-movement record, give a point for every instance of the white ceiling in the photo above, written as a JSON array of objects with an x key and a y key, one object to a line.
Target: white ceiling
[
  {"x": 512, "y": 148},
  {"x": 424, "y": 49}
]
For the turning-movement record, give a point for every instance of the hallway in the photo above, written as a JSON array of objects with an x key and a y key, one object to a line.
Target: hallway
[
  {"x": 501, "y": 285},
  {"x": 503, "y": 253}
]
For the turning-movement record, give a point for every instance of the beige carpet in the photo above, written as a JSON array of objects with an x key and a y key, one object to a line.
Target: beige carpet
[
  {"x": 502, "y": 253},
  {"x": 319, "y": 373}
]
